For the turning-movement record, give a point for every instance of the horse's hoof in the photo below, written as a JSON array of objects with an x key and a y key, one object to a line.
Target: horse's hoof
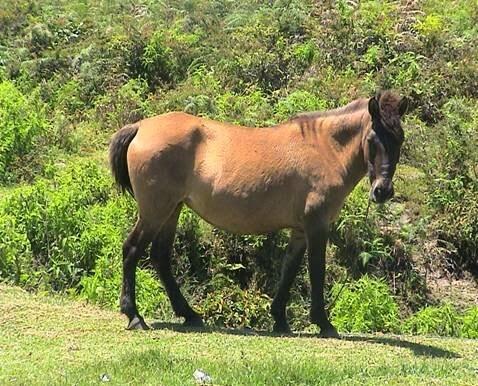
[
  {"x": 137, "y": 323},
  {"x": 330, "y": 332},
  {"x": 281, "y": 328},
  {"x": 194, "y": 321}
]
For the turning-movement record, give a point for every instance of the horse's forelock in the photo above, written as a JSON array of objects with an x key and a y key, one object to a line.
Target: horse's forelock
[{"x": 389, "y": 103}]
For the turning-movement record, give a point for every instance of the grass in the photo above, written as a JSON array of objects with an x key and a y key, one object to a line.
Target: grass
[{"x": 53, "y": 340}]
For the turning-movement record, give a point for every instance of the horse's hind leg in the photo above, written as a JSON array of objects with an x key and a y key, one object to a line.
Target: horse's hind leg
[
  {"x": 161, "y": 251},
  {"x": 290, "y": 267},
  {"x": 133, "y": 249}
]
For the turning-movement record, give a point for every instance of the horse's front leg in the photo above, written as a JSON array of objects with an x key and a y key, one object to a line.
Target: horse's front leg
[{"x": 317, "y": 236}]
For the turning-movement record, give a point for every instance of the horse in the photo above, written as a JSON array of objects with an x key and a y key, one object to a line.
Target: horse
[{"x": 294, "y": 175}]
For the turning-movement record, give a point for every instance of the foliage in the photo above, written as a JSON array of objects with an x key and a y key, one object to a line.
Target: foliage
[
  {"x": 365, "y": 305},
  {"x": 470, "y": 323},
  {"x": 235, "y": 307},
  {"x": 454, "y": 182},
  {"x": 356, "y": 232},
  {"x": 297, "y": 102},
  {"x": 21, "y": 123},
  {"x": 15, "y": 250},
  {"x": 442, "y": 320},
  {"x": 60, "y": 226}
]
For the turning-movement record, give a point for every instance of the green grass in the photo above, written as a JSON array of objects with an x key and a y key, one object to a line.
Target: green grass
[{"x": 52, "y": 340}]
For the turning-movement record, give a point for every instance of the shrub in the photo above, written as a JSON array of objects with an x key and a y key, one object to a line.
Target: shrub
[
  {"x": 442, "y": 320},
  {"x": 66, "y": 224},
  {"x": 127, "y": 105},
  {"x": 227, "y": 305},
  {"x": 298, "y": 102},
  {"x": 454, "y": 182},
  {"x": 251, "y": 109},
  {"x": 357, "y": 235},
  {"x": 15, "y": 251},
  {"x": 364, "y": 306},
  {"x": 157, "y": 60},
  {"x": 196, "y": 95},
  {"x": 21, "y": 123},
  {"x": 470, "y": 323}
]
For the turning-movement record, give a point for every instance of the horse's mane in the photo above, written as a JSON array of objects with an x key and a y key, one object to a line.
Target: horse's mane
[
  {"x": 353, "y": 106},
  {"x": 389, "y": 107}
]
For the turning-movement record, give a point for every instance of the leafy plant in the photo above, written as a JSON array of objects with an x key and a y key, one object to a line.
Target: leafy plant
[
  {"x": 21, "y": 123},
  {"x": 470, "y": 323},
  {"x": 60, "y": 227},
  {"x": 365, "y": 305},
  {"x": 443, "y": 320},
  {"x": 234, "y": 307}
]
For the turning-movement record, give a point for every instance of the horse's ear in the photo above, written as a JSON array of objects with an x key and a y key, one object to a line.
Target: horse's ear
[
  {"x": 373, "y": 107},
  {"x": 403, "y": 106}
]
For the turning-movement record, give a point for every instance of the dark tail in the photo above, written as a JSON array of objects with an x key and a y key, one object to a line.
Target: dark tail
[{"x": 118, "y": 162}]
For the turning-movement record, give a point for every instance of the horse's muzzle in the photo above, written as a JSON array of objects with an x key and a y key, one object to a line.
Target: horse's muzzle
[{"x": 381, "y": 191}]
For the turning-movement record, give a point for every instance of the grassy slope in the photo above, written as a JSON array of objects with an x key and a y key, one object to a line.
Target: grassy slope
[{"x": 46, "y": 340}]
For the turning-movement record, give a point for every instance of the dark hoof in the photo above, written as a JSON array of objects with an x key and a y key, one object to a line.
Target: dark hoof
[
  {"x": 194, "y": 321},
  {"x": 137, "y": 323},
  {"x": 281, "y": 328},
  {"x": 330, "y": 332}
]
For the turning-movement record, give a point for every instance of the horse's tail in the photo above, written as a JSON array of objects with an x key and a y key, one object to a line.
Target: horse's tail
[{"x": 118, "y": 161}]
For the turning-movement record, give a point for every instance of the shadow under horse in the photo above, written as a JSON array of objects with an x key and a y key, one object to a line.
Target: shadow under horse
[{"x": 418, "y": 349}]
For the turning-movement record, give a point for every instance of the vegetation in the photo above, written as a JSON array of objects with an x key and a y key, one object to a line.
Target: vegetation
[
  {"x": 72, "y": 73},
  {"x": 90, "y": 347}
]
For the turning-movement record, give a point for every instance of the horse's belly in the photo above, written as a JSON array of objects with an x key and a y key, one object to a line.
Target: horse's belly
[{"x": 245, "y": 215}]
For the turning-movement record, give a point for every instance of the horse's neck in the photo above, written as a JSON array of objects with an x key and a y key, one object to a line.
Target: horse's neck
[{"x": 345, "y": 136}]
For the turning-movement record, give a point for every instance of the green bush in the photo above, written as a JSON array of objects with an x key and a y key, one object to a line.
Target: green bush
[
  {"x": 66, "y": 222},
  {"x": 22, "y": 121},
  {"x": 298, "y": 102},
  {"x": 442, "y": 320},
  {"x": 470, "y": 323},
  {"x": 15, "y": 250},
  {"x": 129, "y": 104},
  {"x": 227, "y": 305},
  {"x": 252, "y": 109},
  {"x": 365, "y": 305},
  {"x": 454, "y": 182},
  {"x": 356, "y": 232}
]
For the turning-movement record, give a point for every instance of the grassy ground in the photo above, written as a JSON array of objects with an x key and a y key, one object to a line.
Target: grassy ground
[{"x": 45, "y": 340}]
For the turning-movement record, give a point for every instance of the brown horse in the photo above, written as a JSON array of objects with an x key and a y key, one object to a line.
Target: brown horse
[{"x": 294, "y": 175}]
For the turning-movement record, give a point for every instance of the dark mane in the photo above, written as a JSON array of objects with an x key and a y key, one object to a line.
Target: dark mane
[
  {"x": 389, "y": 111},
  {"x": 353, "y": 106}
]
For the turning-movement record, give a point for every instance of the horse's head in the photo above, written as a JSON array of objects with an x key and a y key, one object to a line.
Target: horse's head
[{"x": 383, "y": 142}]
